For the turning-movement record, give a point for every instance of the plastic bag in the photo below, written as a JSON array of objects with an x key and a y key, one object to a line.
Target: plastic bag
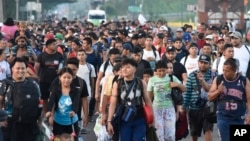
[
  {"x": 98, "y": 125},
  {"x": 101, "y": 131}
]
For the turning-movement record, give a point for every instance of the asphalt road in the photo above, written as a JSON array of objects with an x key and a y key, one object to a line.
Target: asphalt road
[{"x": 91, "y": 135}]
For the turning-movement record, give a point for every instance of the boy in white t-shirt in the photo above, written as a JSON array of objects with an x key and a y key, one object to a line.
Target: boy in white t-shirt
[
  {"x": 150, "y": 54},
  {"x": 86, "y": 71},
  {"x": 228, "y": 52},
  {"x": 191, "y": 61}
]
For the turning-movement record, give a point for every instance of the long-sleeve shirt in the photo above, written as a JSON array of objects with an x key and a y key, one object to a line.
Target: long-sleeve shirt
[{"x": 192, "y": 94}]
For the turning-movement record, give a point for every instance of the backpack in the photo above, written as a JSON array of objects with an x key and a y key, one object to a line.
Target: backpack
[
  {"x": 138, "y": 86},
  {"x": 90, "y": 71},
  {"x": 23, "y": 99}
]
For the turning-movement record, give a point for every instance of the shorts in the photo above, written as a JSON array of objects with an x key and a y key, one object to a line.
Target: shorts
[
  {"x": 44, "y": 88},
  {"x": 197, "y": 122},
  {"x": 60, "y": 129}
]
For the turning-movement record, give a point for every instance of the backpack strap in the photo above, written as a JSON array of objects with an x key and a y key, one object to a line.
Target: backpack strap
[
  {"x": 90, "y": 71},
  {"x": 185, "y": 60},
  {"x": 105, "y": 66},
  {"x": 217, "y": 63},
  {"x": 154, "y": 51}
]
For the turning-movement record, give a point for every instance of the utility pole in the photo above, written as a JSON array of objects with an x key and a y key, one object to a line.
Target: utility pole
[
  {"x": 1, "y": 10},
  {"x": 17, "y": 10}
]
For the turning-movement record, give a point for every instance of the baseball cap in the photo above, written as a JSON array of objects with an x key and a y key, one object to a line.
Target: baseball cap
[
  {"x": 186, "y": 37},
  {"x": 170, "y": 48},
  {"x": 127, "y": 46},
  {"x": 118, "y": 59},
  {"x": 193, "y": 45},
  {"x": 209, "y": 37},
  {"x": 123, "y": 32},
  {"x": 134, "y": 37},
  {"x": 77, "y": 42},
  {"x": 220, "y": 39},
  {"x": 204, "y": 58},
  {"x": 49, "y": 36},
  {"x": 179, "y": 30},
  {"x": 236, "y": 34},
  {"x": 163, "y": 28},
  {"x": 59, "y": 36},
  {"x": 170, "y": 39},
  {"x": 142, "y": 34},
  {"x": 112, "y": 32}
]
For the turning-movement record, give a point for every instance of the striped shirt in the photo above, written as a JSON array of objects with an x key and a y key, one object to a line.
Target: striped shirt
[{"x": 191, "y": 96}]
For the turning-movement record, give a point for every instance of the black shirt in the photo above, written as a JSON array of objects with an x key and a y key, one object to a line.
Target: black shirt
[
  {"x": 49, "y": 64},
  {"x": 178, "y": 70},
  {"x": 141, "y": 67}
]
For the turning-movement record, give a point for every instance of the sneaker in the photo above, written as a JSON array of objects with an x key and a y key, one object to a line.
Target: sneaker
[
  {"x": 83, "y": 131},
  {"x": 91, "y": 119}
]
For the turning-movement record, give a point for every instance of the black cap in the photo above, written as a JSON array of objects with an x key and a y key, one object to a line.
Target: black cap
[
  {"x": 111, "y": 32},
  {"x": 77, "y": 42},
  {"x": 123, "y": 32},
  {"x": 118, "y": 59},
  {"x": 170, "y": 49},
  {"x": 142, "y": 34},
  {"x": 204, "y": 58},
  {"x": 135, "y": 37},
  {"x": 193, "y": 45}
]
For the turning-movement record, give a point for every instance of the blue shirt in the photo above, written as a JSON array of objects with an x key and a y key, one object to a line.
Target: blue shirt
[{"x": 62, "y": 113}]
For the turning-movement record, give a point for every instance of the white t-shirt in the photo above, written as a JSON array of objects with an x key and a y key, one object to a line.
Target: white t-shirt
[
  {"x": 243, "y": 56},
  {"x": 191, "y": 64},
  {"x": 150, "y": 53},
  {"x": 4, "y": 69},
  {"x": 108, "y": 71},
  {"x": 220, "y": 65},
  {"x": 83, "y": 72}
]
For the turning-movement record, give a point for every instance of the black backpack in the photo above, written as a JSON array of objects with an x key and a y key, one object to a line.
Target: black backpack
[{"x": 24, "y": 98}]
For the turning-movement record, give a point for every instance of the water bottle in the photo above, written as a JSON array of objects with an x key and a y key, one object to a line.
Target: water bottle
[
  {"x": 80, "y": 138},
  {"x": 9, "y": 109}
]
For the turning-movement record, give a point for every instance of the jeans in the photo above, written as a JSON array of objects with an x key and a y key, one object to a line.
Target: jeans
[
  {"x": 224, "y": 127},
  {"x": 133, "y": 131}
]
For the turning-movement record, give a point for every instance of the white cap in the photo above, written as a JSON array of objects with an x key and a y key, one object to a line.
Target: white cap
[
  {"x": 163, "y": 28},
  {"x": 179, "y": 30},
  {"x": 209, "y": 37}
]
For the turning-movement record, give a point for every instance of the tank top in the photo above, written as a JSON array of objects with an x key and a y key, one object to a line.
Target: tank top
[{"x": 232, "y": 102}]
